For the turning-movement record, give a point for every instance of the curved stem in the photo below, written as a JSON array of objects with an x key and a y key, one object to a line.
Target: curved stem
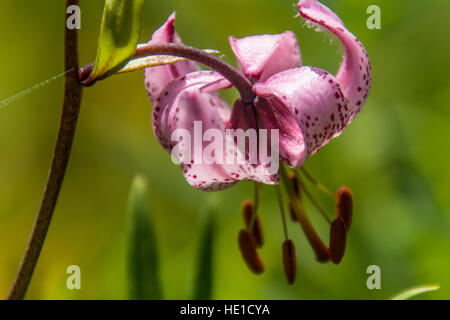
[
  {"x": 69, "y": 117},
  {"x": 242, "y": 84}
]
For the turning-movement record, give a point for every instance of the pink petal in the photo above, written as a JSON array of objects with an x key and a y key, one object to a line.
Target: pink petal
[
  {"x": 185, "y": 101},
  {"x": 315, "y": 99},
  {"x": 355, "y": 73},
  {"x": 269, "y": 114},
  {"x": 264, "y": 164},
  {"x": 156, "y": 78},
  {"x": 260, "y": 57},
  {"x": 272, "y": 114}
]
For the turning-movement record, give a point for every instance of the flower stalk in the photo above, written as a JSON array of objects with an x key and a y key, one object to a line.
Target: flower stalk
[
  {"x": 237, "y": 79},
  {"x": 68, "y": 123}
]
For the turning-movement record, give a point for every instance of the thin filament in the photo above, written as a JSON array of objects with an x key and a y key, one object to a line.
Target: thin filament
[
  {"x": 311, "y": 198},
  {"x": 318, "y": 185},
  {"x": 283, "y": 215},
  {"x": 256, "y": 203},
  {"x": 21, "y": 94}
]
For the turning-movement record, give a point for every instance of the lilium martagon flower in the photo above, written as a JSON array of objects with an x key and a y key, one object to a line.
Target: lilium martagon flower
[{"x": 308, "y": 106}]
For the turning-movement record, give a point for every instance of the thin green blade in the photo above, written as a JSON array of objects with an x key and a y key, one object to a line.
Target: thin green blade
[
  {"x": 410, "y": 293},
  {"x": 203, "y": 285},
  {"x": 143, "y": 264}
]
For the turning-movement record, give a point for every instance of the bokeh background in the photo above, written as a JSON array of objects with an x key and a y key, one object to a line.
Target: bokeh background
[{"x": 394, "y": 157}]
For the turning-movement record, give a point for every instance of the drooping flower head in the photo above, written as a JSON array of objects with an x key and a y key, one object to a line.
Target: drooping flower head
[
  {"x": 307, "y": 105},
  {"x": 302, "y": 107}
]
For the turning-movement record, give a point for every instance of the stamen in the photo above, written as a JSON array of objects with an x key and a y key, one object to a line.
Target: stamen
[
  {"x": 296, "y": 185},
  {"x": 318, "y": 185},
  {"x": 317, "y": 245},
  {"x": 294, "y": 180},
  {"x": 257, "y": 190},
  {"x": 344, "y": 206},
  {"x": 289, "y": 261},
  {"x": 341, "y": 225},
  {"x": 249, "y": 254},
  {"x": 311, "y": 198},
  {"x": 291, "y": 211},
  {"x": 283, "y": 215},
  {"x": 338, "y": 239},
  {"x": 250, "y": 216}
]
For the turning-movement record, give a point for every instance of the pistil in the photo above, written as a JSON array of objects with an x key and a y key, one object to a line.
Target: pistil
[
  {"x": 319, "y": 186},
  {"x": 317, "y": 245}
]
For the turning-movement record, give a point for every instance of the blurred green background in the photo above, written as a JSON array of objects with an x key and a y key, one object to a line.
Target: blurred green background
[{"x": 394, "y": 157}]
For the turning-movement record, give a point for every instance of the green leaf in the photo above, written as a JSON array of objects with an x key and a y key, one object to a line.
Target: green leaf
[
  {"x": 143, "y": 264},
  {"x": 412, "y": 292},
  {"x": 204, "y": 279},
  {"x": 119, "y": 35}
]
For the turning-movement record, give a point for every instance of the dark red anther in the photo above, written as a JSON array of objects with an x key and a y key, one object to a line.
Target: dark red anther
[
  {"x": 289, "y": 261},
  {"x": 344, "y": 206},
  {"x": 338, "y": 239},
  {"x": 249, "y": 254},
  {"x": 256, "y": 232}
]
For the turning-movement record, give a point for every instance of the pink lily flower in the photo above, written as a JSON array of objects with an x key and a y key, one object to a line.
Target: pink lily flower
[{"x": 309, "y": 106}]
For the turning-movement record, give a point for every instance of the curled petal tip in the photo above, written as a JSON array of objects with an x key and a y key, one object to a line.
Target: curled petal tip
[
  {"x": 156, "y": 78},
  {"x": 355, "y": 73}
]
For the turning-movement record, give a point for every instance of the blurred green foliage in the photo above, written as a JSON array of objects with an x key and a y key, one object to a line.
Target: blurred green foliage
[
  {"x": 143, "y": 259},
  {"x": 204, "y": 286},
  {"x": 393, "y": 157}
]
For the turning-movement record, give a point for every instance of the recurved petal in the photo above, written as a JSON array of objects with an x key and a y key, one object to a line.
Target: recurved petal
[
  {"x": 190, "y": 123},
  {"x": 260, "y": 57},
  {"x": 156, "y": 78},
  {"x": 355, "y": 73},
  {"x": 315, "y": 99}
]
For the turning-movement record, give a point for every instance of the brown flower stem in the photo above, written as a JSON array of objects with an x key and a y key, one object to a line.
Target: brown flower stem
[
  {"x": 242, "y": 84},
  {"x": 68, "y": 122}
]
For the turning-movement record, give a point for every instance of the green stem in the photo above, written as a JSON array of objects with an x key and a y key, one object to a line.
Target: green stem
[{"x": 68, "y": 123}]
